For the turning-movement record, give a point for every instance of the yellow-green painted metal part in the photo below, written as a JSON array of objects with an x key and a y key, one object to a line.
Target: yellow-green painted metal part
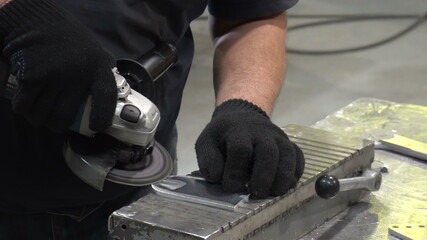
[
  {"x": 408, "y": 231},
  {"x": 408, "y": 143},
  {"x": 406, "y": 146},
  {"x": 402, "y": 199}
]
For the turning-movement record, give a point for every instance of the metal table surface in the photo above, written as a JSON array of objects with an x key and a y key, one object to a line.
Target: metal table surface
[{"x": 402, "y": 199}]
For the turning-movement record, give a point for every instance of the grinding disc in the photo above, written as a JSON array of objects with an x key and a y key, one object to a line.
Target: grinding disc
[
  {"x": 94, "y": 163},
  {"x": 160, "y": 167}
]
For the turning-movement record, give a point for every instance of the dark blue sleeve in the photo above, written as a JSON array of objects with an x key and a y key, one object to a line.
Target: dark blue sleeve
[{"x": 248, "y": 9}]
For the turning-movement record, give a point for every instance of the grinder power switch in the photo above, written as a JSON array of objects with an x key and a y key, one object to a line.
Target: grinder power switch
[{"x": 130, "y": 113}]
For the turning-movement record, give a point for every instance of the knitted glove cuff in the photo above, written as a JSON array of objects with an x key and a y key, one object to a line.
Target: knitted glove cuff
[
  {"x": 22, "y": 15},
  {"x": 237, "y": 105}
]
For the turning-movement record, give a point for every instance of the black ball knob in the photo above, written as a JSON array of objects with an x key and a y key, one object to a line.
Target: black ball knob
[{"x": 327, "y": 186}]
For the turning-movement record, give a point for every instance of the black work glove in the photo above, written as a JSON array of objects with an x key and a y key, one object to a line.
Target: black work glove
[
  {"x": 242, "y": 149},
  {"x": 58, "y": 64}
]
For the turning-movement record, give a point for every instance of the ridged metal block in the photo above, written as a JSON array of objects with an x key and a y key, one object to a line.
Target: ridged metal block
[{"x": 289, "y": 216}]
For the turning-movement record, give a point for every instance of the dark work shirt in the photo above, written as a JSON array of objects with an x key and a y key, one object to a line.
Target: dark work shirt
[{"x": 34, "y": 174}]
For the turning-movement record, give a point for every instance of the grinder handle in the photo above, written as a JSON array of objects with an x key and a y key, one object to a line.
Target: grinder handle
[
  {"x": 159, "y": 60},
  {"x": 142, "y": 73}
]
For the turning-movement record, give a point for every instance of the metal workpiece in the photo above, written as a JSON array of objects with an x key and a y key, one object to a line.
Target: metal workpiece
[
  {"x": 197, "y": 190},
  {"x": 161, "y": 216}
]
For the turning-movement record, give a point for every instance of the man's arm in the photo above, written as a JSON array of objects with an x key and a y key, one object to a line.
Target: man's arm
[
  {"x": 240, "y": 147},
  {"x": 249, "y": 60},
  {"x": 3, "y": 2}
]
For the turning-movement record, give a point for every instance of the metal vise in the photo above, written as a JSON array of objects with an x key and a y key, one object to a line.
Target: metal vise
[{"x": 188, "y": 208}]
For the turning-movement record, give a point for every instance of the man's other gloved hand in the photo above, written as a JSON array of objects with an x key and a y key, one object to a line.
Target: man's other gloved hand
[
  {"x": 58, "y": 64},
  {"x": 242, "y": 149}
]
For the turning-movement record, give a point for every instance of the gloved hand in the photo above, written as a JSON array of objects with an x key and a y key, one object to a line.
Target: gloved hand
[
  {"x": 58, "y": 64},
  {"x": 242, "y": 149}
]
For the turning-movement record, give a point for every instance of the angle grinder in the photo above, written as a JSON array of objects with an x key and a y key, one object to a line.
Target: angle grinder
[{"x": 126, "y": 153}]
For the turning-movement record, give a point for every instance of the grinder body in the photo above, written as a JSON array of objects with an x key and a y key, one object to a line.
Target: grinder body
[
  {"x": 135, "y": 119},
  {"x": 96, "y": 157}
]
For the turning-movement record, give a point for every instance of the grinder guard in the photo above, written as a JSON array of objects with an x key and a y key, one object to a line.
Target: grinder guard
[{"x": 95, "y": 164}]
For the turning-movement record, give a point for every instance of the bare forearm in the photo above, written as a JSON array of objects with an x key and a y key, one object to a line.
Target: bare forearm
[
  {"x": 4, "y": 2},
  {"x": 249, "y": 62}
]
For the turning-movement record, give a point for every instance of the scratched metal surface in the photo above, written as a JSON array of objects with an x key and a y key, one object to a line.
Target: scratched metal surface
[{"x": 402, "y": 198}]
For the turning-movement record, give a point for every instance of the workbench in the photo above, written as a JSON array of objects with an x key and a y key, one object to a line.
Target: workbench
[
  {"x": 348, "y": 141},
  {"x": 402, "y": 199}
]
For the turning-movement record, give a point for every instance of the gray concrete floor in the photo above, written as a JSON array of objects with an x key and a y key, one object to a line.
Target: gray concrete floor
[{"x": 319, "y": 85}]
